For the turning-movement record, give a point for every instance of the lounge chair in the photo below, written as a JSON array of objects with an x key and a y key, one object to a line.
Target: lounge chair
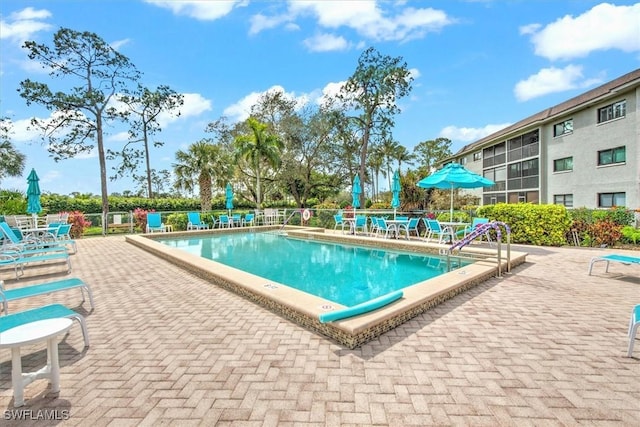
[
  {"x": 17, "y": 260},
  {"x": 154, "y": 223},
  {"x": 195, "y": 223},
  {"x": 624, "y": 259},
  {"x": 51, "y": 311},
  {"x": 16, "y": 239},
  {"x": 7, "y": 295},
  {"x": 634, "y": 324}
]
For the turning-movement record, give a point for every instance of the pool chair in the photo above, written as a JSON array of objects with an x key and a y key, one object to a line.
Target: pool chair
[
  {"x": 634, "y": 323},
  {"x": 248, "y": 220},
  {"x": 360, "y": 224},
  {"x": 7, "y": 295},
  {"x": 13, "y": 241},
  {"x": 412, "y": 227},
  {"x": 468, "y": 229},
  {"x": 385, "y": 228},
  {"x": 339, "y": 222},
  {"x": 17, "y": 260},
  {"x": 237, "y": 220},
  {"x": 194, "y": 222},
  {"x": 435, "y": 230},
  {"x": 623, "y": 259},
  {"x": 154, "y": 223},
  {"x": 224, "y": 221},
  {"x": 51, "y": 311},
  {"x": 62, "y": 236}
]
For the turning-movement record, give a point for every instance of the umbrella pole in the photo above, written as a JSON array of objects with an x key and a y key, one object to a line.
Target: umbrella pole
[{"x": 451, "y": 208}]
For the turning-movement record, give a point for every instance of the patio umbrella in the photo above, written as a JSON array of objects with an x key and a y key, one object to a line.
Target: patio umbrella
[
  {"x": 229, "y": 197},
  {"x": 33, "y": 196},
  {"x": 453, "y": 176},
  {"x": 356, "y": 190},
  {"x": 395, "y": 189}
]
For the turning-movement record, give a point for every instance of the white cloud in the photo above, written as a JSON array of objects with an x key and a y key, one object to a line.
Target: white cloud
[
  {"x": 202, "y": 10},
  {"x": 240, "y": 110},
  {"x": 119, "y": 43},
  {"x": 194, "y": 105},
  {"x": 463, "y": 134},
  {"x": 551, "y": 80},
  {"x": 23, "y": 24},
  {"x": 379, "y": 21},
  {"x": 604, "y": 27},
  {"x": 325, "y": 43}
]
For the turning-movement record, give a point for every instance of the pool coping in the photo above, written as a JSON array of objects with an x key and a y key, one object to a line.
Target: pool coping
[{"x": 304, "y": 309}]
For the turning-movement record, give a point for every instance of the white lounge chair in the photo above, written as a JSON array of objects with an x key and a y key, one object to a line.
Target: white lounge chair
[{"x": 17, "y": 260}]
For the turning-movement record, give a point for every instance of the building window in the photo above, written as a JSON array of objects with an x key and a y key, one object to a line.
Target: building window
[
  {"x": 463, "y": 160},
  {"x": 563, "y": 128},
  {"x": 612, "y": 156},
  {"x": 561, "y": 165},
  {"x": 563, "y": 199},
  {"x": 610, "y": 200},
  {"x": 523, "y": 175},
  {"x": 613, "y": 111},
  {"x": 477, "y": 156},
  {"x": 494, "y": 155}
]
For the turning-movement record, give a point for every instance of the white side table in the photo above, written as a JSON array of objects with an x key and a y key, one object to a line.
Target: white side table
[{"x": 31, "y": 333}]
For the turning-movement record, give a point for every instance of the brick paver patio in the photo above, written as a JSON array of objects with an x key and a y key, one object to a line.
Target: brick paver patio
[{"x": 543, "y": 346}]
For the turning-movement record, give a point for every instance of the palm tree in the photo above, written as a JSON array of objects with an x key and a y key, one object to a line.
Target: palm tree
[
  {"x": 388, "y": 148},
  {"x": 259, "y": 147},
  {"x": 402, "y": 154},
  {"x": 200, "y": 165}
]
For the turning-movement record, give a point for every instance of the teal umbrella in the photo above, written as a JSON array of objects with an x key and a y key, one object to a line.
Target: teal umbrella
[
  {"x": 395, "y": 189},
  {"x": 452, "y": 176},
  {"x": 33, "y": 196},
  {"x": 356, "y": 190},
  {"x": 229, "y": 197}
]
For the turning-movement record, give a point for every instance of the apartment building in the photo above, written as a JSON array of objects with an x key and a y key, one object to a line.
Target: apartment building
[{"x": 583, "y": 152}]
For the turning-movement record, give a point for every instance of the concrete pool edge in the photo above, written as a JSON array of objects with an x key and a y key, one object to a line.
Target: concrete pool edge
[{"x": 304, "y": 309}]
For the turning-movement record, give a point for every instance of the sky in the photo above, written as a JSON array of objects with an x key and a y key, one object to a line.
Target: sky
[{"x": 478, "y": 65}]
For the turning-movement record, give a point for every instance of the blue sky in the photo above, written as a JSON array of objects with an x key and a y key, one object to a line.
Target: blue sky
[{"x": 479, "y": 65}]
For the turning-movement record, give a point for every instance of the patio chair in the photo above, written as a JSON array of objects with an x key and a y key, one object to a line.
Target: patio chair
[
  {"x": 634, "y": 323},
  {"x": 385, "y": 228},
  {"x": 195, "y": 223},
  {"x": 7, "y": 295},
  {"x": 237, "y": 219},
  {"x": 338, "y": 222},
  {"x": 248, "y": 220},
  {"x": 62, "y": 236},
  {"x": 412, "y": 227},
  {"x": 474, "y": 223},
  {"x": 224, "y": 221},
  {"x": 51, "y": 311},
  {"x": 360, "y": 223},
  {"x": 13, "y": 240},
  {"x": 154, "y": 223},
  {"x": 434, "y": 229}
]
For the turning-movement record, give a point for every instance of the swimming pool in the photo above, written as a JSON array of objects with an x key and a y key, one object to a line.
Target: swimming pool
[
  {"x": 345, "y": 274},
  {"x": 308, "y": 310}
]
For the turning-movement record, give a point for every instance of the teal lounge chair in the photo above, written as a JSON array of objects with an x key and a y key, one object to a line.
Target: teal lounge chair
[
  {"x": 52, "y": 311},
  {"x": 16, "y": 241},
  {"x": 62, "y": 236},
  {"x": 17, "y": 260},
  {"x": 195, "y": 223},
  {"x": 7, "y": 295},
  {"x": 623, "y": 259},
  {"x": 634, "y": 324},
  {"x": 154, "y": 223}
]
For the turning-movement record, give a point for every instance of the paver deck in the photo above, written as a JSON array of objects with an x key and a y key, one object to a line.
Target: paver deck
[{"x": 544, "y": 345}]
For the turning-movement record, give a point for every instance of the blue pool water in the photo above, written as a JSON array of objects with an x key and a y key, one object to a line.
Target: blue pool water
[{"x": 344, "y": 274}]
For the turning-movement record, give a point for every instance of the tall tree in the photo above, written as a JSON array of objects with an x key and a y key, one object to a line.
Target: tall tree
[
  {"x": 11, "y": 160},
  {"x": 98, "y": 73},
  {"x": 202, "y": 165},
  {"x": 375, "y": 162},
  {"x": 259, "y": 148},
  {"x": 372, "y": 92},
  {"x": 429, "y": 152},
  {"x": 144, "y": 106}
]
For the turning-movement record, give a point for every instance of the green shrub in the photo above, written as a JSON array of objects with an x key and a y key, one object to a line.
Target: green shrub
[
  {"x": 630, "y": 235},
  {"x": 544, "y": 225}
]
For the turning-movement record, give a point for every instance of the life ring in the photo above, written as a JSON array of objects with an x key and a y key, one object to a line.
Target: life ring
[{"x": 306, "y": 214}]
